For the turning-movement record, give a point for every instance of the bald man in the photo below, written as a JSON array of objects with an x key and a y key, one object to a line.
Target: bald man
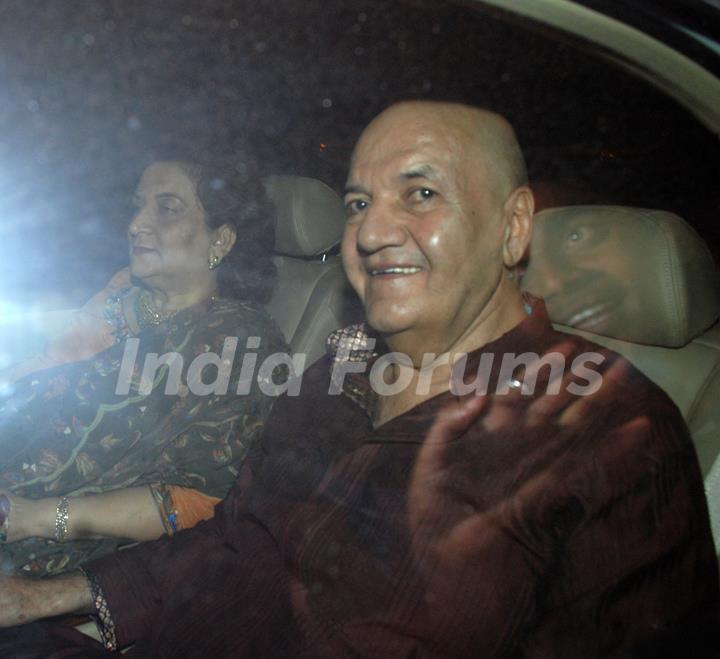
[{"x": 427, "y": 494}]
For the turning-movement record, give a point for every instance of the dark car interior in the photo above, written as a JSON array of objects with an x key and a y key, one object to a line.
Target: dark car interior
[{"x": 91, "y": 92}]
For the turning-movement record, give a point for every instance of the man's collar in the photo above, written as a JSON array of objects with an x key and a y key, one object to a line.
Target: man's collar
[{"x": 359, "y": 344}]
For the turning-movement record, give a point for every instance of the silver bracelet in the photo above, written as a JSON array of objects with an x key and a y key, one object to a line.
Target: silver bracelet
[{"x": 62, "y": 514}]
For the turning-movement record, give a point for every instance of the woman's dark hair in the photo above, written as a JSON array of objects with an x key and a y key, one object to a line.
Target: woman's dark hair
[{"x": 231, "y": 193}]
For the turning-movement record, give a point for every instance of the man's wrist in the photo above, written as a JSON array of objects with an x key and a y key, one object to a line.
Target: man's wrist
[
  {"x": 24, "y": 600},
  {"x": 62, "y": 595}
]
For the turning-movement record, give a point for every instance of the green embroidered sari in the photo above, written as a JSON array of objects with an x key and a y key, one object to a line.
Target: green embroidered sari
[{"x": 66, "y": 430}]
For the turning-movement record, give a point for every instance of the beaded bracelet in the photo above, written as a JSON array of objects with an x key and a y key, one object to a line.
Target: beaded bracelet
[
  {"x": 166, "y": 507},
  {"x": 115, "y": 317},
  {"x": 62, "y": 514}
]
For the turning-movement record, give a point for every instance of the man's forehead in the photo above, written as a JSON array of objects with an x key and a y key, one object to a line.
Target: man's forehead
[
  {"x": 409, "y": 134},
  {"x": 406, "y": 132},
  {"x": 406, "y": 155}
]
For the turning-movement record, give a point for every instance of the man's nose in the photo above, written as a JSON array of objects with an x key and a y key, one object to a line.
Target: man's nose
[
  {"x": 383, "y": 225},
  {"x": 547, "y": 275}
]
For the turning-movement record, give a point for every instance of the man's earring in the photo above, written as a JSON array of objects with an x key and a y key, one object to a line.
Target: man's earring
[{"x": 213, "y": 262}]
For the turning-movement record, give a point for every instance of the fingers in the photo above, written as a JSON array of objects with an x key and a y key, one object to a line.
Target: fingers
[
  {"x": 562, "y": 351},
  {"x": 511, "y": 394},
  {"x": 96, "y": 305},
  {"x": 622, "y": 452},
  {"x": 552, "y": 399},
  {"x": 451, "y": 423},
  {"x": 611, "y": 381},
  {"x": 120, "y": 280},
  {"x": 455, "y": 419},
  {"x": 619, "y": 453},
  {"x": 560, "y": 402},
  {"x": 556, "y": 396}
]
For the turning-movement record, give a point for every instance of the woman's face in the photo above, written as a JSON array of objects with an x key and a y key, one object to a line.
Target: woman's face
[{"x": 169, "y": 239}]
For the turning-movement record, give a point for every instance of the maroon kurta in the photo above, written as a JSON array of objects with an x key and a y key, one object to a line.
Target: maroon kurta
[{"x": 584, "y": 540}]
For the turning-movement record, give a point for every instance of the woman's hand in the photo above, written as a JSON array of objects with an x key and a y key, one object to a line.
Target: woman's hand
[
  {"x": 89, "y": 330},
  {"x": 120, "y": 281},
  {"x": 128, "y": 513},
  {"x": 28, "y": 518}
]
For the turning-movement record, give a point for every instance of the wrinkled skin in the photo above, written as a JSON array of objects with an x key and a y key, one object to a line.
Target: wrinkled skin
[{"x": 431, "y": 230}]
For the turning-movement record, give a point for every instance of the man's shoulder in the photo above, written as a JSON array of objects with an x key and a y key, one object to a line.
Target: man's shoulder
[
  {"x": 627, "y": 396},
  {"x": 633, "y": 381}
]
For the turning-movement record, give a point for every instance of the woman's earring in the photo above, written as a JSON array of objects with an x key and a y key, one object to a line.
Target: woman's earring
[{"x": 213, "y": 262}]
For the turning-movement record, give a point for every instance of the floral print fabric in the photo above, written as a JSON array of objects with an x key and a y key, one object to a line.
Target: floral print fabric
[{"x": 65, "y": 431}]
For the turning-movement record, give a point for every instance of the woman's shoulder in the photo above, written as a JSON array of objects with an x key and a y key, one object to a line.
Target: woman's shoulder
[
  {"x": 240, "y": 311},
  {"x": 243, "y": 319}
]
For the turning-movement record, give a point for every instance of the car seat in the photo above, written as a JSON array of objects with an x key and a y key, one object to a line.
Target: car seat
[
  {"x": 312, "y": 296},
  {"x": 668, "y": 328}
]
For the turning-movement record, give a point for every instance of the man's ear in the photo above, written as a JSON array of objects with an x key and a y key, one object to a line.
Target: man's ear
[
  {"x": 223, "y": 239},
  {"x": 518, "y": 213}
]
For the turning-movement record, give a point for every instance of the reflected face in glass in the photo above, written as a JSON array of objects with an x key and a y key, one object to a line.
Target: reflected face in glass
[
  {"x": 579, "y": 265},
  {"x": 169, "y": 239}
]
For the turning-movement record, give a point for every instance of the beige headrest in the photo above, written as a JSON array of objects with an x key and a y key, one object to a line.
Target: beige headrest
[
  {"x": 633, "y": 274},
  {"x": 309, "y": 216}
]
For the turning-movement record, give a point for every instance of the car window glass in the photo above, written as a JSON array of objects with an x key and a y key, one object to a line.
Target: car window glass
[{"x": 93, "y": 91}]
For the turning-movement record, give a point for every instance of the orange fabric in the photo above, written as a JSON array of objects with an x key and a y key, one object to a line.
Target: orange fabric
[
  {"x": 191, "y": 505},
  {"x": 88, "y": 332},
  {"x": 84, "y": 337},
  {"x": 85, "y": 334}
]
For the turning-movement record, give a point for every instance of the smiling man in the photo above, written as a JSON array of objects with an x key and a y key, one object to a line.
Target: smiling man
[
  {"x": 438, "y": 209},
  {"x": 535, "y": 523}
]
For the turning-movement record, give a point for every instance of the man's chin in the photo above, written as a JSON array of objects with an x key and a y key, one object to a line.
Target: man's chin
[{"x": 387, "y": 325}]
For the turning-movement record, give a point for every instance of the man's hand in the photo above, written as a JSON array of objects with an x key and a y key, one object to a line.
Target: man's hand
[
  {"x": 26, "y": 600},
  {"x": 433, "y": 497},
  {"x": 495, "y": 551},
  {"x": 17, "y": 601}
]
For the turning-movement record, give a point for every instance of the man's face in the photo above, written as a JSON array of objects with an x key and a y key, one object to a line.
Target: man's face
[
  {"x": 423, "y": 240},
  {"x": 579, "y": 266}
]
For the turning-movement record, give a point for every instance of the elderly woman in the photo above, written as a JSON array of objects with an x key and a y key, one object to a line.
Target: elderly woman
[{"x": 93, "y": 451}]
